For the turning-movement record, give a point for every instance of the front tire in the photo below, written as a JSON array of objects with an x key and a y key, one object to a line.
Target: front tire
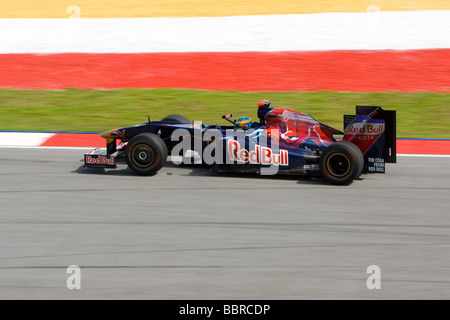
[
  {"x": 341, "y": 162},
  {"x": 146, "y": 153}
]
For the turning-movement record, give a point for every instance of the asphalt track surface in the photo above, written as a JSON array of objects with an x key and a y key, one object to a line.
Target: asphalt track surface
[{"x": 189, "y": 234}]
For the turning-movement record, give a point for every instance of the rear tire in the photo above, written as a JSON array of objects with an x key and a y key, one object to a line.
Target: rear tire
[
  {"x": 176, "y": 118},
  {"x": 341, "y": 162},
  {"x": 146, "y": 153}
]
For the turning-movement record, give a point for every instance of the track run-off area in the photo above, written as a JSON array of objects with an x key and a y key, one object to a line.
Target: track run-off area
[
  {"x": 355, "y": 50},
  {"x": 187, "y": 233}
]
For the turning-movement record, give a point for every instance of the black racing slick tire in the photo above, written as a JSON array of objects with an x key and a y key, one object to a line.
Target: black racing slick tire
[
  {"x": 341, "y": 162},
  {"x": 176, "y": 118},
  {"x": 146, "y": 153}
]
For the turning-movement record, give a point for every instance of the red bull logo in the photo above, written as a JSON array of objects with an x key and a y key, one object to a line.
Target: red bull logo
[
  {"x": 365, "y": 128},
  {"x": 260, "y": 155},
  {"x": 99, "y": 160},
  {"x": 364, "y": 134}
]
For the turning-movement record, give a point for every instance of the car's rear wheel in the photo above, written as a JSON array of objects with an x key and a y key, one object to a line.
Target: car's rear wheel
[
  {"x": 146, "y": 153},
  {"x": 341, "y": 162},
  {"x": 176, "y": 118}
]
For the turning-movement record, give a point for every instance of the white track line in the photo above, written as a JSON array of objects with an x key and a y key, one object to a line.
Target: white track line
[
  {"x": 304, "y": 32},
  {"x": 425, "y": 155},
  {"x": 24, "y": 139}
]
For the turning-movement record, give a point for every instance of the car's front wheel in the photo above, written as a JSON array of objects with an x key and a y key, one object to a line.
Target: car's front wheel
[
  {"x": 341, "y": 162},
  {"x": 146, "y": 153}
]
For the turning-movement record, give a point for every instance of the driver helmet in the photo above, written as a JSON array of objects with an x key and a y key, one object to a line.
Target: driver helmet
[{"x": 244, "y": 122}]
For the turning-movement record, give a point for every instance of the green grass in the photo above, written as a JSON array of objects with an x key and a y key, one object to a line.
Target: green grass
[{"x": 419, "y": 115}]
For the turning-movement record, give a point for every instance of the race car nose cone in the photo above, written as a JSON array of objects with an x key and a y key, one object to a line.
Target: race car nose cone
[
  {"x": 106, "y": 134},
  {"x": 109, "y": 135}
]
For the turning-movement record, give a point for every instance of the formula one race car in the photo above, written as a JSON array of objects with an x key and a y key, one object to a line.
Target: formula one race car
[{"x": 282, "y": 142}]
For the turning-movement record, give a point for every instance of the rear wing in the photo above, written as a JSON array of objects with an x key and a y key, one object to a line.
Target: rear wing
[{"x": 390, "y": 128}]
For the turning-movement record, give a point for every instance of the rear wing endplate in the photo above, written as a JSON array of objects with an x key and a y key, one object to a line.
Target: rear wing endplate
[{"x": 390, "y": 118}]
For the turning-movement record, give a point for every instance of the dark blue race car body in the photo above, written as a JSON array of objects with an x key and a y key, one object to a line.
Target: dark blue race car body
[{"x": 282, "y": 142}]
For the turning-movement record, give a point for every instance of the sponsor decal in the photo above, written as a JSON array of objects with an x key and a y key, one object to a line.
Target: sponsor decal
[
  {"x": 364, "y": 134},
  {"x": 99, "y": 160},
  {"x": 260, "y": 155},
  {"x": 365, "y": 128},
  {"x": 376, "y": 165}
]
